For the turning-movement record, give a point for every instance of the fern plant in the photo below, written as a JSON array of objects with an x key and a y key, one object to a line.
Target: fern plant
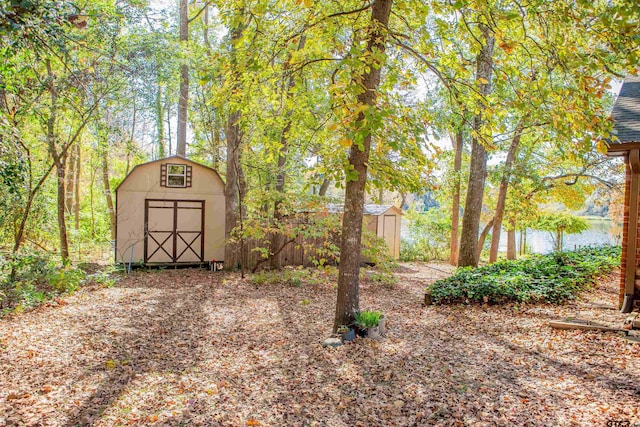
[{"x": 367, "y": 319}]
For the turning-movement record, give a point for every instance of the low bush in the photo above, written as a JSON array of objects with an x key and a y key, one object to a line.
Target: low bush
[
  {"x": 552, "y": 278},
  {"x": 296, "y": 276},
  {"x": 31, "y": 278},
  {"x": 427, "y": 236}
]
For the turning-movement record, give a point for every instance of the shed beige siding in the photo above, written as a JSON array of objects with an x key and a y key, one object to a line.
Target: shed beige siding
[
  {"x": 144, "y": 183},
  {"x": 386, "y": 225}
]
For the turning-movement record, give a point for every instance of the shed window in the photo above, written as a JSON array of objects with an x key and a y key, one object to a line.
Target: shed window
[{"x": 172, "y": 175}]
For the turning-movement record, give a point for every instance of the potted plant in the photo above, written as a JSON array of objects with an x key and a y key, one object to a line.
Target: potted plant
[{"x": 372, "y": 323}]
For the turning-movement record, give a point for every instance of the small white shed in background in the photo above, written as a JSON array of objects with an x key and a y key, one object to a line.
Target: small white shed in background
[
  {"x": 382, "y": 220},
  {"x": 385, "y": 221},
  {"x": 170, "y": 211}
]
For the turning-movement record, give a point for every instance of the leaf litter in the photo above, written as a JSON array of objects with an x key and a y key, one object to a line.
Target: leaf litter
[{"x": 192, "y": 347}]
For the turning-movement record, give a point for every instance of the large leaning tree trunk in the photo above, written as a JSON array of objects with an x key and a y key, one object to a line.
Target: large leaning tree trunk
[
  {"x": 502, "y": 192},
  {"x": 234, "y": 175},
  {"x": 455, "y": 204},
  {"x": 483, "y": 235},
  {"x": 469, "y": 255},
  {"x": 324, "y": 187},
  {"x": 183, "y": 102},
  {"x": 348, "y": 276}
]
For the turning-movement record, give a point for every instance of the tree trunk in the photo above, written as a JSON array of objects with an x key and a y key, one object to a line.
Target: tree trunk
[
  {"x": 324, "y": 187},
  {"x": 348, "y": 301},
  {"x": 278, "y": 238},
  {"x": 130, "y": 146},
  {"x": 521, "y": 242},
  {"x": 559, "y": 240},
  {"x": 167, "y": 109},
  {"x": 107, "y": 194},
  {"x": 70, "y": 181},
  {"x": 502, "y": 192},
  {"x": 455, "y": 205},
  {"x": 76, "y": 204},
  {"x": 511, "y": 242},
  {"x": 232, "y": 189},
  {"x": 20, "y": 234},
  {"x": 62, "y": 223},
  {"x": 205, "y": 29},
  {"x": 469, "y": 255},
  {"x": 92, "y": 210},
  {"x": 58, "y": 161},
  {"x": 484, "y": 233},
  {"x": 162, "y": 150},
  {"x": 217, "y": 141},
  {"x": 183, "y": 102}
]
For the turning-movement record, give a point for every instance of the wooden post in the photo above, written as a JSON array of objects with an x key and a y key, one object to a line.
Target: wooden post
[{"x": 632, "y": 235}]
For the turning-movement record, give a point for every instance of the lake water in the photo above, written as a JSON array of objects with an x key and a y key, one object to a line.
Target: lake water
[{"x": 601, "y": 232}]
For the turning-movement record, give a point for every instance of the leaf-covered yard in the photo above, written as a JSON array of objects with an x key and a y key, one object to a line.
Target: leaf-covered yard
[{"x": 191, "y": 347}]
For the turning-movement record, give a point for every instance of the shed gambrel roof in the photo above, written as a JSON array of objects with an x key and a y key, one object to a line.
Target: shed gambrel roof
[
  {"x": 176, "y": 157},
  {"x": 626, "y": 111}
]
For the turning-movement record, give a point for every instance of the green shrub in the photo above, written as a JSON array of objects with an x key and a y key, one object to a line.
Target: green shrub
[
  {"x": 427, "y": 237},
  {"x": 384, "y": 277},
  {"x": 30, "y": 278},
  {"x": 552, "y": 278},
  {"x": 375, "y": 249},
  {"x": 66, "y": 280},
  {"x": 295, "y": 277}
]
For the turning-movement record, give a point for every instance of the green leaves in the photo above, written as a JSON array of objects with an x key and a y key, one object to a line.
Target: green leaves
[{"x": 567, "y": 223}]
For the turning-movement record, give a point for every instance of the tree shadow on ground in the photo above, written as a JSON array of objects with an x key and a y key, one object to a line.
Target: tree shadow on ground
[
  {"x": 613, "y": 380},
  {"x": 164, "y": 334},
  {"x": 266, "y": 343}
]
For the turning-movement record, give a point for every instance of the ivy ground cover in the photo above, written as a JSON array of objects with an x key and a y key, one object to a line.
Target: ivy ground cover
[{"x": 552, "y": 278}]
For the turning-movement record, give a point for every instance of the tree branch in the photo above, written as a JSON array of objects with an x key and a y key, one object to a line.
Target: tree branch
[
  {"x": 324, "y": 18},
  {"x": 262, "y": 261},
  {"x": 206, "y": 5}
]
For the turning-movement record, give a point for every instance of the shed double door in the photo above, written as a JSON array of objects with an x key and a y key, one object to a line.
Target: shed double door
[{"x": 174, "y": 231}]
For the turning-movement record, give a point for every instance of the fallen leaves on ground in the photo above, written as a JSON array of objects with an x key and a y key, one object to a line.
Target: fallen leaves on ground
[{"x": 193, "y": 347}]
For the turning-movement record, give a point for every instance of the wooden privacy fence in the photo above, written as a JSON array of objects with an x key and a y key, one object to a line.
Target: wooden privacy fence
[
  {"x": 301, "y": 251},
  {"x": 318, "y": 236}
]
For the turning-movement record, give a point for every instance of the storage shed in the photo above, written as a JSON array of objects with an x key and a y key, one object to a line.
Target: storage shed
[
  {"x": 170, "y": 212},
  {"x": 626, "y": 117},
  {"x": 382, "y": 220}
]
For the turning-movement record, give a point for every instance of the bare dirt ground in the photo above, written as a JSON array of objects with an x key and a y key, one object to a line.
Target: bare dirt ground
[{"x": 191, "y": 347}]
